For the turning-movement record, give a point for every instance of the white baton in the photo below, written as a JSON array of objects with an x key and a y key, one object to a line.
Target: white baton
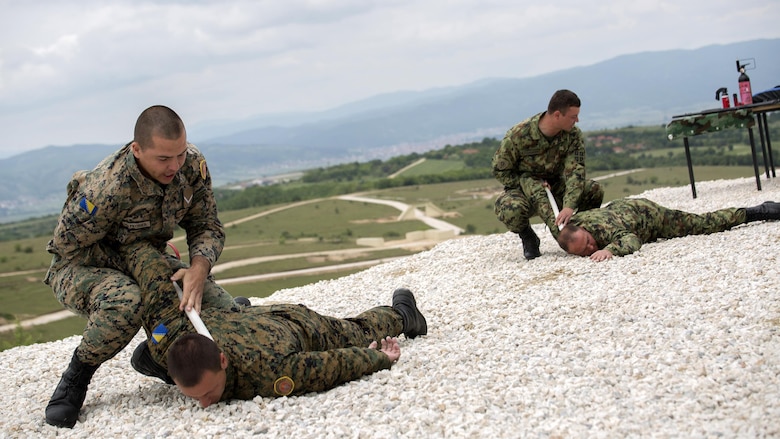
[
  {"x": 193, "y": 316},
  {"x": 553, "y": 204}
]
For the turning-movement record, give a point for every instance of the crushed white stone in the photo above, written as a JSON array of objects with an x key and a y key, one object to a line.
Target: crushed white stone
[{"x": 678, "y": 340}]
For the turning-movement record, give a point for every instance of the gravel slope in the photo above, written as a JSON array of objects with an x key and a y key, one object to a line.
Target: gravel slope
[{"x": 678, "y": 340}]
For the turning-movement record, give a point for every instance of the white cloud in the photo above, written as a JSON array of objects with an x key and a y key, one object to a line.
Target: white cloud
[
  {"x": 65, "y": 47},
  {"x": 63, "y": 63}
]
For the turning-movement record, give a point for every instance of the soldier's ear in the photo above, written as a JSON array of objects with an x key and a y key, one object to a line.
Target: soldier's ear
[
  {"x": 136, "y": 148},
  {"x": 223, "y": 361}
]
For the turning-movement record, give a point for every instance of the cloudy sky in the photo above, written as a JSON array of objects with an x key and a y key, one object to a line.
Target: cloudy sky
[{"x": 80, "y": 71}]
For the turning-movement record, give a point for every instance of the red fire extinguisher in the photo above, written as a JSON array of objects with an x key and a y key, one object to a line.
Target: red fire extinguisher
[
  {"x": 745, "y": 93},
  {"x": 723, "y": 94}
]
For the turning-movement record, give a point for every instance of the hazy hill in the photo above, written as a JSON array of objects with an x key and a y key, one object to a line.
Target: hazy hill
[
  {"x": 644, "y": 88},
  {"x": 640, "y": 89}
]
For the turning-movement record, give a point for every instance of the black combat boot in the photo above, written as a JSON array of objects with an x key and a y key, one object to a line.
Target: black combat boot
[
  {"x": 530, "y": 243},
  {"x": 768, "y": 210},
  {"x": 143, "y": 363},
  {"x": 241, "y": 300},
  {"x": 68, "y": 397},
  {"x": 414, "y": 322}
]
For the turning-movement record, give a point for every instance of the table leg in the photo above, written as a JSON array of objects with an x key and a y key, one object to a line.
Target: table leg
[
  {"x": 690, "y": 165},
  {"x": 763, "y": 145},
  {"x": 768, "y": 144},
  {"x": 753, "y": 152}
]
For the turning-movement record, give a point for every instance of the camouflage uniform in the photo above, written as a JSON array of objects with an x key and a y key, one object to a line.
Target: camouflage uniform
[
  {"x": 624, "y": 225},
  {"x": 110, "y": 207},
  {"x": 526, "y": 157},
  {"x": 272, "y": 350}
]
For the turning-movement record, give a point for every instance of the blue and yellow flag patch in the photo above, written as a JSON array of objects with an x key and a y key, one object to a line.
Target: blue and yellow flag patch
[
  {"x": 88, "y": 206},
  {"x": 159, "y": 332}
]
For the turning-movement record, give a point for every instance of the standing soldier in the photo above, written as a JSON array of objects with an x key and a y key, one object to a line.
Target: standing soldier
[
  {"x": 275, "y": 350},
  {"x": 621, "y": 227},
  {"x": 544, "y": 148},
  {"x": 140, "y": 193}
]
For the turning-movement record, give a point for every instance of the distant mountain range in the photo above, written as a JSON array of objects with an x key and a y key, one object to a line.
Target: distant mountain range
[{"x": 640, "y": 89}]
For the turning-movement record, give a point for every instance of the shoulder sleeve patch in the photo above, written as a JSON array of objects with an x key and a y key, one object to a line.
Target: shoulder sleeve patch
[
  {"x": 159, "y": 333},
  {"x": 579, "y": 156},
  {"x": 284, "y": 386},
  {"x": 204, "y": 170},
  {"x": 502, "y": 164},
  {"x": 88, "y": 206}
]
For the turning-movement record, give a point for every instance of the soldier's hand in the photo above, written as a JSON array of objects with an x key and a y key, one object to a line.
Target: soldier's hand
[
  {"x": 390, "y": 347},
  {"x": 601, "y": 255},
  {"x": 193, "y": 278},
  {"x": 564, "y": 216}
]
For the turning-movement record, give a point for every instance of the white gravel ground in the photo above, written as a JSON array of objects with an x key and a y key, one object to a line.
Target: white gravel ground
[{"x": 678, "y": 340}]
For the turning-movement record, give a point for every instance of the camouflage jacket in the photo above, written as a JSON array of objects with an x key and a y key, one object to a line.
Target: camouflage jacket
[
  {"x": 115, "y": 204},
  {"x": 624, "y": 225},
  {"x": 526, "y": 156}
]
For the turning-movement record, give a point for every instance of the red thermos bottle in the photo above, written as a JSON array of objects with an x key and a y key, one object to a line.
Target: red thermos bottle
[
  {"x": 745, "y": 93},
  {"x": 723, "y": 94}
]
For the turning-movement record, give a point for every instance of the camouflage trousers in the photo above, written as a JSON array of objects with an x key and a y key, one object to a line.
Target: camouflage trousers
[
  {"x": 514, "y": 208},
  {"x": 672, "y": 223},
  {"x": 316, "y": 332},
  {"x": 322, "y": 333},
  {"x": 113, "y": 304}
]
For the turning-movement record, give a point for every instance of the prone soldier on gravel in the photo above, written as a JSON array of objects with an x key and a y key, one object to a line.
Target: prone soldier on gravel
[
  {"x": 621, "y": 227},
  {"x": 547, "y": 148},
  {"x": 142, "y": 192},
  {"x": 269, "y": 351}
]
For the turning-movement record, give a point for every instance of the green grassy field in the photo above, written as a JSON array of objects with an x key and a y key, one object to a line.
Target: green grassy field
[
  {"x": 739, "y": 149},
  {"x": 638, "y": 182},
  {"x": 432, "y": 167},
  {"x": 266, "y": 288},
  {"x": 42, "y": 333},
  {"x": 27, "y": 254},
  {"x": 309, "y": 228}
]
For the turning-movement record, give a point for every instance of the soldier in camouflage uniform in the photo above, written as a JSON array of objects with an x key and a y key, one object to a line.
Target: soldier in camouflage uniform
[
  {"x": 621, "y": 227},
  {"x": 270, "y": 351},
  {"x": 140, "y": 193},
  {"x": 544, "y": 148}
]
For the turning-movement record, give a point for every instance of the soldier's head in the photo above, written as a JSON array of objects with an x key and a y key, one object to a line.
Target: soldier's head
[
  {"x": 197, "y": 366},
  {"x": 159, "y": 143},
  {"x": 564, "y": 109},
  {"x": 577, "y": 241}
]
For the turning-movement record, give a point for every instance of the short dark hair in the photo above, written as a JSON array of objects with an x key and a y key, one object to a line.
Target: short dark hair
[
  {"x": 157, "y": 120},
  {"x": 566, "y": 236},
  {"x": 561, "y": 100},
  {"x": 190, "y": 356}
]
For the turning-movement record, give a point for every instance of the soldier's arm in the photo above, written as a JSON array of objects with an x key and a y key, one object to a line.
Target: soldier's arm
[
  {"x": 505, "y": 164},
  {"x": 574, "y": 170},
  {"x": 509, "y": 171},
  {"x": 86, "y": 217},
  {"x": 205, "y": 232},
  {"x": 624, "y": 244}
]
